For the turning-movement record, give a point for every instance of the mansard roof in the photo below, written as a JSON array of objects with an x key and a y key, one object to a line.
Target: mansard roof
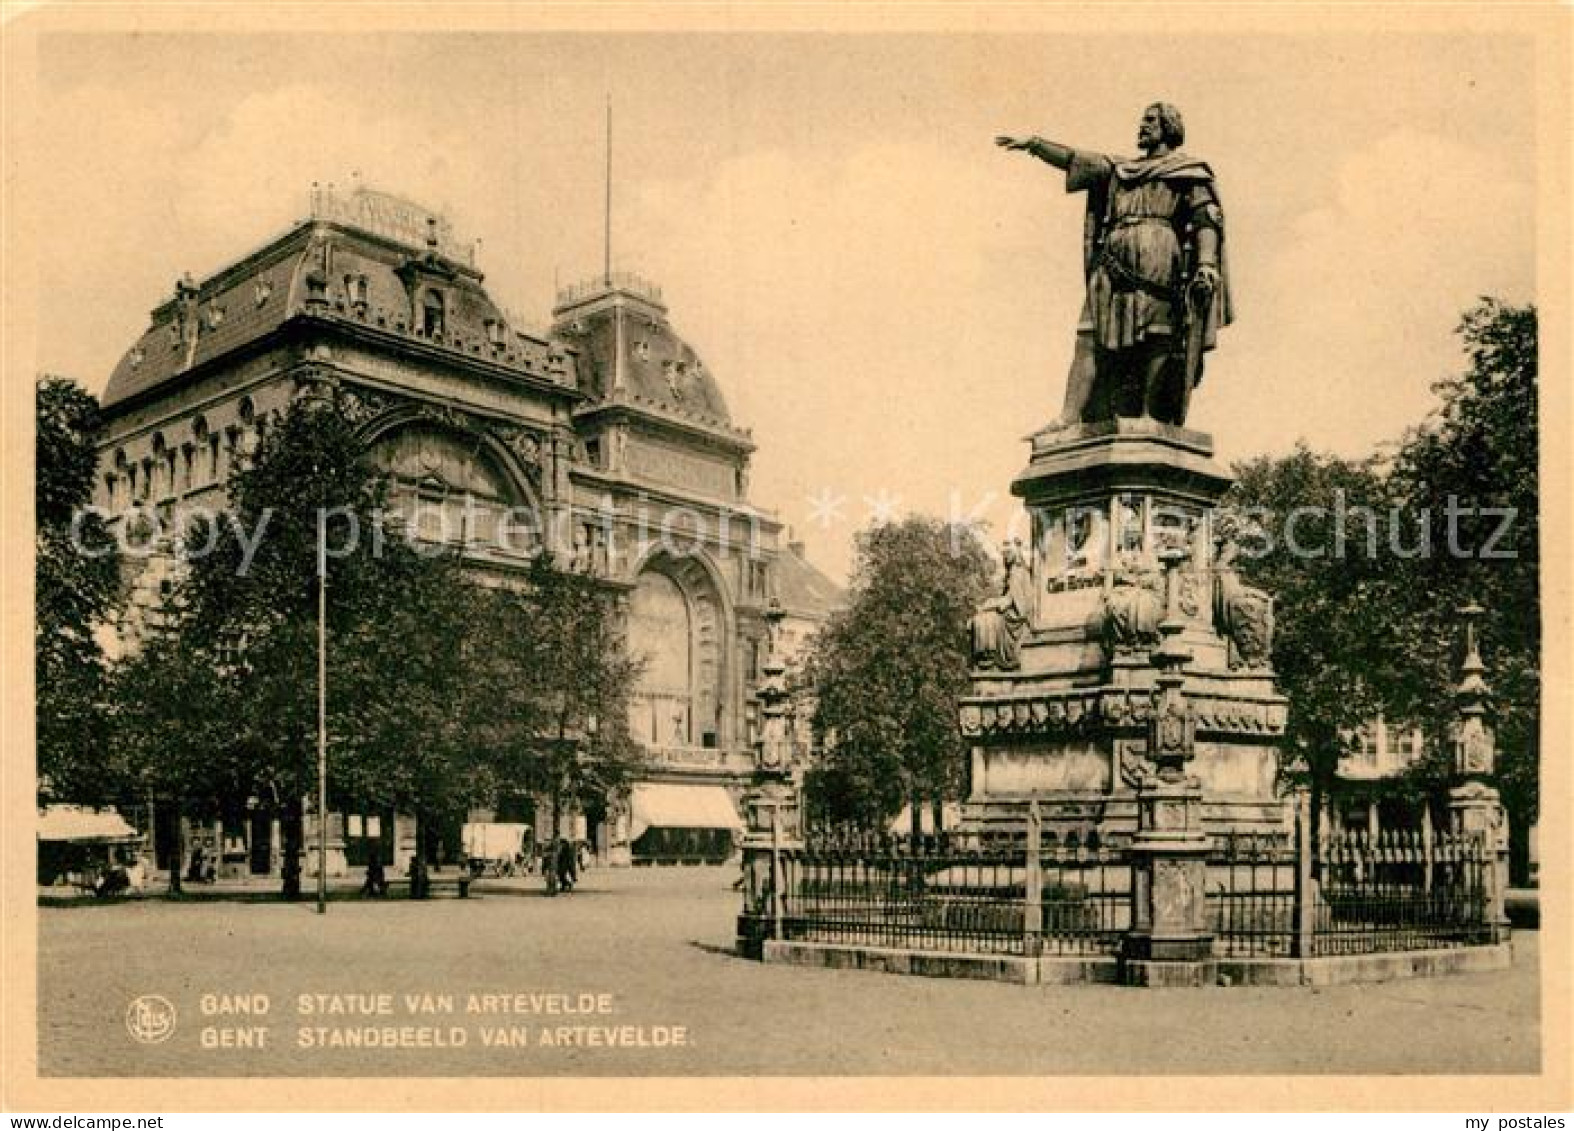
[
  {"x": 632, "y": 358},
  {"x": 333, "y": 267}
]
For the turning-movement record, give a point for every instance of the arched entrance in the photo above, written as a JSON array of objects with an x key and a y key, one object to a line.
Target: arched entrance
[{"x": 676, "y": 626}]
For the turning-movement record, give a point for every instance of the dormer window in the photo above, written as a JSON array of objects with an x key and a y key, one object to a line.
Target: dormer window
[
  {"x": 355, "y": 286},
  {"x": 261, "y": 291},
  {"x": 496, "y": 333},
  {"x": 432, "y": 314}
]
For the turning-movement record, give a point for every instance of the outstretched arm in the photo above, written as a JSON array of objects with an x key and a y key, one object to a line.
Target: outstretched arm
[{"x": 1050, "y": 151}]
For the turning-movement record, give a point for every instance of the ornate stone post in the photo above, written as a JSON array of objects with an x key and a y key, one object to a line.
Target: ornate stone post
[
  {"x": 771, "y": 811},
  {"x": 1169, "y": 943},
  {"x": 1473, "y": 802}
]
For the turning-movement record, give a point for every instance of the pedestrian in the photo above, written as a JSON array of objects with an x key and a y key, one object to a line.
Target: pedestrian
[
  {"x": 567, "y": 864},
  {"x": 549, "y": 866},
  {"x": 376, "y": 884},
  {"x": 200, "y": 871}
]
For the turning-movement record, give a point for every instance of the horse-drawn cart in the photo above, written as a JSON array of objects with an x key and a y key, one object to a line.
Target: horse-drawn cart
[{"x": 496, "y": 850}]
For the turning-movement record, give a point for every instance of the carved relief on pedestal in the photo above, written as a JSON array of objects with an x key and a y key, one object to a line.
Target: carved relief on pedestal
[
  {"x": 1175, "y": 897},
  {"x": 1474, "y": 750},
  {"x": 1135, "y": 767},
  {"x": 1065, "y": 713},
  {"x": 1071, "y": 549},
  {"x": 1132, "y": 607}
]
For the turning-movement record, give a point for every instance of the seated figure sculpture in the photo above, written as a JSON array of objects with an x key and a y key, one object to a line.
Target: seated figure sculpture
[
  {"x": 1133, "y": 605},
  {"x": 997, "y": 626},
  {"x": 1243, "y": 615}
]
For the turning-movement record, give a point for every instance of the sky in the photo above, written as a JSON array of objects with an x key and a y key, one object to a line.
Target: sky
[{"x": 886, "y": 298}]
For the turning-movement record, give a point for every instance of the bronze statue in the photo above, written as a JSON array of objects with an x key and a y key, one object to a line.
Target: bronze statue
[
  {"x": 998, "y": 624},
  {"x": 1153, "y": 255}
]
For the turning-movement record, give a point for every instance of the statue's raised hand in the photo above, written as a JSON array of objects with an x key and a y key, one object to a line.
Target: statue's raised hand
[{"x": 1007, "y": 141}]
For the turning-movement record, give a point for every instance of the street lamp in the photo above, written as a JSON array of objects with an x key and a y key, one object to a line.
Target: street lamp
[{"x": 322, "y": 721}]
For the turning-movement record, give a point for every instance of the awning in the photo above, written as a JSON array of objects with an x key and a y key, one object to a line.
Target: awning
[
  {"x": 68, "y": 822},
  {"x": 490, "y": 840},
  {"x": 663, "y": 806}
]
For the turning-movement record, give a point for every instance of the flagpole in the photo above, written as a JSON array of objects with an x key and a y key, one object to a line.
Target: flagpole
[{"x": 606, "y": 262}]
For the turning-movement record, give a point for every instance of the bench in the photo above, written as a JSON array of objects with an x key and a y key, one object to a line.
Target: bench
[{"x": 460, "y": 882}]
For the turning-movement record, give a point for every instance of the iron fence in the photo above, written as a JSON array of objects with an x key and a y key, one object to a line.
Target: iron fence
[
  {"x": 1267, "y": 895},
  {"x": 1252, "y": 895},
  {"x": 958, "y": 894},
  {"x": 1400, "y": 891}
]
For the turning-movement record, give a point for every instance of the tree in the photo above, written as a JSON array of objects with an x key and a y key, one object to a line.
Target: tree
[
  {"x": 1324, "y": 552},
  {"x": 441, "y": 693},
  {"x": 557, "y": 702},
  {"x": 232, "y": 690},
  {"x": 1368, "y": 620},
  {"x": 886, "y": 673},
  {"x": 1473, "y": 468},
  {"x": 174, "y": 729},
  {"x": 76, "y": 589}
]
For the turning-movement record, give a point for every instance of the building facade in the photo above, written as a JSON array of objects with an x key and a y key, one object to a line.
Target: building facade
[{"x": 607, "y": 432}]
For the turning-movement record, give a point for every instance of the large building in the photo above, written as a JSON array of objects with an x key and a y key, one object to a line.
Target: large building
[{"x": 607, "y": 430}]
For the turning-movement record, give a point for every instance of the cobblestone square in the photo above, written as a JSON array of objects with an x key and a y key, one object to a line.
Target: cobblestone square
[{"x": 648, "y": 954}]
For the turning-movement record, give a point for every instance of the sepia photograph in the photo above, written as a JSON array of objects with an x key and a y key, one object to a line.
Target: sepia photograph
[{"x": 578, "y": 552}]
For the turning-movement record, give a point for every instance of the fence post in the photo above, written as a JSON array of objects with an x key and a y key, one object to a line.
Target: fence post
[
  {"x": 1426, "y": 846},
  {"x": 1305, "y": 891},
  {"x": 1033, "y": 891},
  {"x": 776, "y": 872}
]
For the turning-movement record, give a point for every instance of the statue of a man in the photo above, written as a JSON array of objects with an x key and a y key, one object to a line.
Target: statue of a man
[{"x": 1154, "y": 260}]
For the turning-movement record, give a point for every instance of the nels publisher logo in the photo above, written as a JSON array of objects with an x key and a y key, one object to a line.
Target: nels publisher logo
[{"x": 150, "y": 1019}]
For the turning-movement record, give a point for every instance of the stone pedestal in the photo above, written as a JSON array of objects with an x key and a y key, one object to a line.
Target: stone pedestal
[
  {"x": 1067, "y": 726},
  {"x": 1475, "y": 808},
  {"x": 770, "y": 842},
  {"x": 1169, "y": 942}
]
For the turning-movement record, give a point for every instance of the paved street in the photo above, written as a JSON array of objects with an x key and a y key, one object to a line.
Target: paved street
[{"x": 658, "y": 942}]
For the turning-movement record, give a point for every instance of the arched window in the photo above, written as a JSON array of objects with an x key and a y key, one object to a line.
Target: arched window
[
  {"x": 449, "y": 489},
  {"x": 676, "y": 628},
  {"x": 661, "y": 633}
]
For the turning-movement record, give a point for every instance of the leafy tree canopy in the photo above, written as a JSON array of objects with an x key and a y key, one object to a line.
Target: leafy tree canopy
[
  {"x": 886, "y": 672},
  {"x": 76, "y": 590},
  {"x": 1388, "y": 551}
]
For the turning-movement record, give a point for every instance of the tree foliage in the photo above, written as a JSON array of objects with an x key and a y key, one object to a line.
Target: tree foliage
[
  {"x": 1478, "y": 456},
  {"x": 1369, "y": 624},
  {"x": 76, "y": 590},
  {"x": 441, "y": 693},
  {"x": 1336, "y": 637},
  {"x": 562, "y": 679},
  {"x": 886, "y": 672}
]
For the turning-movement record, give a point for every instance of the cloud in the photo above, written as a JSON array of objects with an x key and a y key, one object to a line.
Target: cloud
[
  {"x": 1347, "y": 313},
  {"x": 875, "y": 316}
]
